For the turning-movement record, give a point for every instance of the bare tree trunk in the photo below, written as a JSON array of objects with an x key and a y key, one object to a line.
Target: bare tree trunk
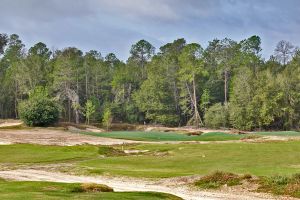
[
  {"x": 69, "y": 110},
  {"x": 74, "y": 98},
  {"x": 16, "y": 100},
  {"x": 225, "y": 86},
  {"x": 86, "y": 81},
  {"x": 197, "y": 117},
  {"x": 76, "y": 116}
]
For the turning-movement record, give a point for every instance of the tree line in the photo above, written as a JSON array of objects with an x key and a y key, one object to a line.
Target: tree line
[{"x": 226, "y": 84}]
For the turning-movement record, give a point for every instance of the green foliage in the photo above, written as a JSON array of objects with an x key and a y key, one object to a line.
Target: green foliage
[
  {"x": 217, "y": 116},
  {"x": 153, "y": 98},
  {"x": 39, "y": 110},
  {"x": 89, "y": 110},
  {"x": 205, "y": 100},
  {"x": 107, "y": 118},
  {"x": 173, "y": 87}
]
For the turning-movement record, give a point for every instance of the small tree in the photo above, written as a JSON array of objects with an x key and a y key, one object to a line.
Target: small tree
[
  {"x": 89, "y": 110},
  {"x": 205, "y": 100},
  {"x": 217, "y": 116},
  {"x": 107, "y": 118}
]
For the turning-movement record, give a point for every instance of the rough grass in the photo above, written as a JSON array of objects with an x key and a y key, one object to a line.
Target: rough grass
[
  {"x": 53, "y": 191},
  {"x": 91, "y": 187},
  {"x": 281, "y": 185},
  {"x": 165, "y": 136},
  {"x": 251, "y": 137},
  {"x": 110, "y": 151},
  {"x": 279, "y": 133},
  {"x": 218, "y": 179}
]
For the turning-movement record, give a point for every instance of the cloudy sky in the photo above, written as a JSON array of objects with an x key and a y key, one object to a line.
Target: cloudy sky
[{"x": 114, "y": 25}]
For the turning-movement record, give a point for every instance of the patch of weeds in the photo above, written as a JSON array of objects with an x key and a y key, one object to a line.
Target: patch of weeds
[
  {"x": 218, "y": 179},
  {"x": 110, "y": 151},
  {"x": 194, "y": 133},
  {"x": 91, "y": 187},
  {"x": 251, "y": 137},
  {"x": 246, "y": 177},
  {"x": 281, "y": 185},
  {"x": 95, "y": 171}
]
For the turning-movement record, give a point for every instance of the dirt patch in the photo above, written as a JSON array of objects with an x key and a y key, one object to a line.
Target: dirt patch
[
  {"x": 10, "y": 123},
  {"x": 48, "y": 136}
]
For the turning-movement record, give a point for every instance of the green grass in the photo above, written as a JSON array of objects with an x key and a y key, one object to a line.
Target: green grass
[
  {"x": 262, "y": 159},
  {"x": 162, "y": 136},
  {"x": 28, "y": 153},
  {"x": 165, "y": 160},
  {"x": 49, "y": 191},
  {"x": 279, "y": 133}
]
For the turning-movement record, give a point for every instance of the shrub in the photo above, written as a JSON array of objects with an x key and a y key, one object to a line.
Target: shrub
[
  {"x": 217, "y": 179},
  {"x": 281, "y": 185},
  {"x": 107, "y": 118},
  {"x": 91, "y": 187},
  {"x": 216, "y": 116},
  {"x": 110, "y": 151},
  {"x": 39, "y": 112}
]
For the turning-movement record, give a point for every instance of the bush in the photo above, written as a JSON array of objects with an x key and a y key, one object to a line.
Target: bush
[
  {"x": 216, "y": 116},
  {"x": 218, "y": 179},
  {"x": 39, "y": 112},
  {"x": 110, "y": 151},
  {"x": 91, "y": 187}
]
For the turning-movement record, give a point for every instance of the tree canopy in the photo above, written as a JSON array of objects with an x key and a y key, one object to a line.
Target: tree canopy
[{"x": 225, "y": 84}]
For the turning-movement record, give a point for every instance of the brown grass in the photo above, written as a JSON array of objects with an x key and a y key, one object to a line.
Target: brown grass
[{"x": 92, "y": 187}]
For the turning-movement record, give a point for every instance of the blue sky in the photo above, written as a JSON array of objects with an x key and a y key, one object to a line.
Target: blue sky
[{"x": 114, "y": 25}]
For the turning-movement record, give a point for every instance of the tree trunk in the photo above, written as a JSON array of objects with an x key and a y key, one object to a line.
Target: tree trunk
[
  {"x": 225, "y": 86},
  {"x": 69, "y": 110},
  {"x": 16, "y": 100},
  {"x": 76, "y": 116},
  {"x": 86, "y": 82},
  {"x": 197, "y": 117}
]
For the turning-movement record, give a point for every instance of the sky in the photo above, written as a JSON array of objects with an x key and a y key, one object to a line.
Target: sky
[{"x": 114, "y": 25}]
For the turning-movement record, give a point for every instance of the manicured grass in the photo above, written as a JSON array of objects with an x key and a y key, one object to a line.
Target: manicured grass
[
  {"x": 279, "y": 133},
  {"x": 262, "y": 159},
  {"x": 162, "y": 136},
  {"x": 28, "y": 153},
  {"x": 165, "y": 160},
  {"x": 49, "y": 191}
]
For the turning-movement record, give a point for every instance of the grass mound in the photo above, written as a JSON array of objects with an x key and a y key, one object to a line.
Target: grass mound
[
  {"x": 281, "y": 185},
  {"x": 91, "y": 187},
  {"x": 218, "y": 179},
  {"x": 110, "y": 151}
]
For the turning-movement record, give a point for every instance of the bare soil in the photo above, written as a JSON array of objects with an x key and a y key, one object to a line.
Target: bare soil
[{"x": 47, "y": 136}]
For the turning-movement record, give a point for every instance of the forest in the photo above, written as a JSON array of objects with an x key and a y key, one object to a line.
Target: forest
[{"x": 227, "y": 84}]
